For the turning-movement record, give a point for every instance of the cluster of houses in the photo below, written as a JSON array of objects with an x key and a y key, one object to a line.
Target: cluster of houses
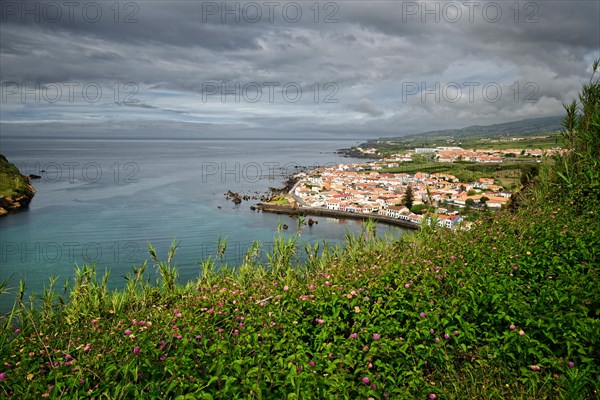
[
  {"x": 349, "y": 188},
  {"x": 452, "y": 154},
  {"x": 481, "y": 156},
  {"x": 487, "y": 156}
]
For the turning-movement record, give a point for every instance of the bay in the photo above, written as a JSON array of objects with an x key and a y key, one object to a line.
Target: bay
[{"x": 102, "y": 201}]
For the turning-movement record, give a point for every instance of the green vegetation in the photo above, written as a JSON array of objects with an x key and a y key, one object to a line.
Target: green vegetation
[
  {"x": 418, "y": 208},
  {"x": 506, "y": 174},
  {"x": 407, "y": 198},
  {"x": 507, "y": 309},
  {"x": 279, "y": 200},
  {"x": 533, "y": 133},
  {"x": 12, "y": 183},
  {"x": 545, "y": 141}
]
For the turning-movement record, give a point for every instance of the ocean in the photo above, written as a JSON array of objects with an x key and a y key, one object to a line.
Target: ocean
[{"x": 102, "y": 202}]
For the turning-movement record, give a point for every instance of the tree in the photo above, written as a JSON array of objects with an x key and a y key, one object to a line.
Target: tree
[
  {"x": 418, "y": 208},
  {"x": 483, "y": 199},
  {"x": 471, "y": 192},
  {"x": 470, "y": 202},
  {"x": 407, "y": 200}
]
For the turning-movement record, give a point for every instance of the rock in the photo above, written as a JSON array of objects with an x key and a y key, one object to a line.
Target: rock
[
  {"x": 219, "y": 207},
  {"x": 284, "y": 226},
  {"x": 252, "y": 208},
  {"x": 235, "y": 197},
  {"x": 34, "y": 176},
  {"x": 311, "y": 222}
]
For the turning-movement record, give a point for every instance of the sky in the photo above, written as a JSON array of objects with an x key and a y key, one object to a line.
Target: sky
[{"x": 279, "y": 69}]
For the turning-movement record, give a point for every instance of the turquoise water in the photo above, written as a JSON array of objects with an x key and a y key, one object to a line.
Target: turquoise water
[{"x": 103, "y": 201}]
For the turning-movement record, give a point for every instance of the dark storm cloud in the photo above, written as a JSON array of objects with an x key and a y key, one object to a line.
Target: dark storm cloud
[{"x": 371, "y": 51}]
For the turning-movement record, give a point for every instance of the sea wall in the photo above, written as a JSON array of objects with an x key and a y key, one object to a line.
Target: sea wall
[{"x": 324, "y": 212}]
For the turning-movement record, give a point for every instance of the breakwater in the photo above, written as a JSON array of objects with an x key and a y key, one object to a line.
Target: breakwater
[{"x": 324, "y": 212}]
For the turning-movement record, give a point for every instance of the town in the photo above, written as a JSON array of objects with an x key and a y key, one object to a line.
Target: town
[
  {"x": 455, "y": 153},
  {"x": 357, "y": 188}
]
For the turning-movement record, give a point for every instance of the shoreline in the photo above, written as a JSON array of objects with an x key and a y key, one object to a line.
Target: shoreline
[{"x": 324, "y": 212}]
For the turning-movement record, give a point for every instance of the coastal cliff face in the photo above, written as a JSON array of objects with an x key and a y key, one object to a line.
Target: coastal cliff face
[{"x": 16, "y": 191}]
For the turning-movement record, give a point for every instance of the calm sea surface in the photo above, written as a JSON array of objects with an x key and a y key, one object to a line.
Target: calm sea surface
[{"x": 103, "y": 201}]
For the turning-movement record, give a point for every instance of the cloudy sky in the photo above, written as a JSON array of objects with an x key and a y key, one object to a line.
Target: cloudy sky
[{"x": 288, "y": 69}]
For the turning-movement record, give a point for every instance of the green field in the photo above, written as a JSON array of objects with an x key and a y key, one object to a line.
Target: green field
[{"x": 506, "y": 174}]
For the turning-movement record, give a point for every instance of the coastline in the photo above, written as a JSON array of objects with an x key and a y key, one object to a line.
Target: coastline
[
  {"x": 324, "y": 212},
  {"x": 18, "y": 190},
  {"x": 296, "y": 208}
]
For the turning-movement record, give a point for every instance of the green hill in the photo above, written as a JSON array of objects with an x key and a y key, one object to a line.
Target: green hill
[
  {"x": 531, "y": 133},
  {"x": 525, "y": 127}
]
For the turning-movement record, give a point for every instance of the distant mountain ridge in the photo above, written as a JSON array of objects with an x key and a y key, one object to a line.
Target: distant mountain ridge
[{"x": 525, "y": 127}]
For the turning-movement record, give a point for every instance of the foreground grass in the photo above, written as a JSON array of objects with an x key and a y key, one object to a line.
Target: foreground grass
[{"x": 508, "y": 309}]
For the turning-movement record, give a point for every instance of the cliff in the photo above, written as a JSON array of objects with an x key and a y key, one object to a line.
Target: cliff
[{"x": 16, "y": 191}]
